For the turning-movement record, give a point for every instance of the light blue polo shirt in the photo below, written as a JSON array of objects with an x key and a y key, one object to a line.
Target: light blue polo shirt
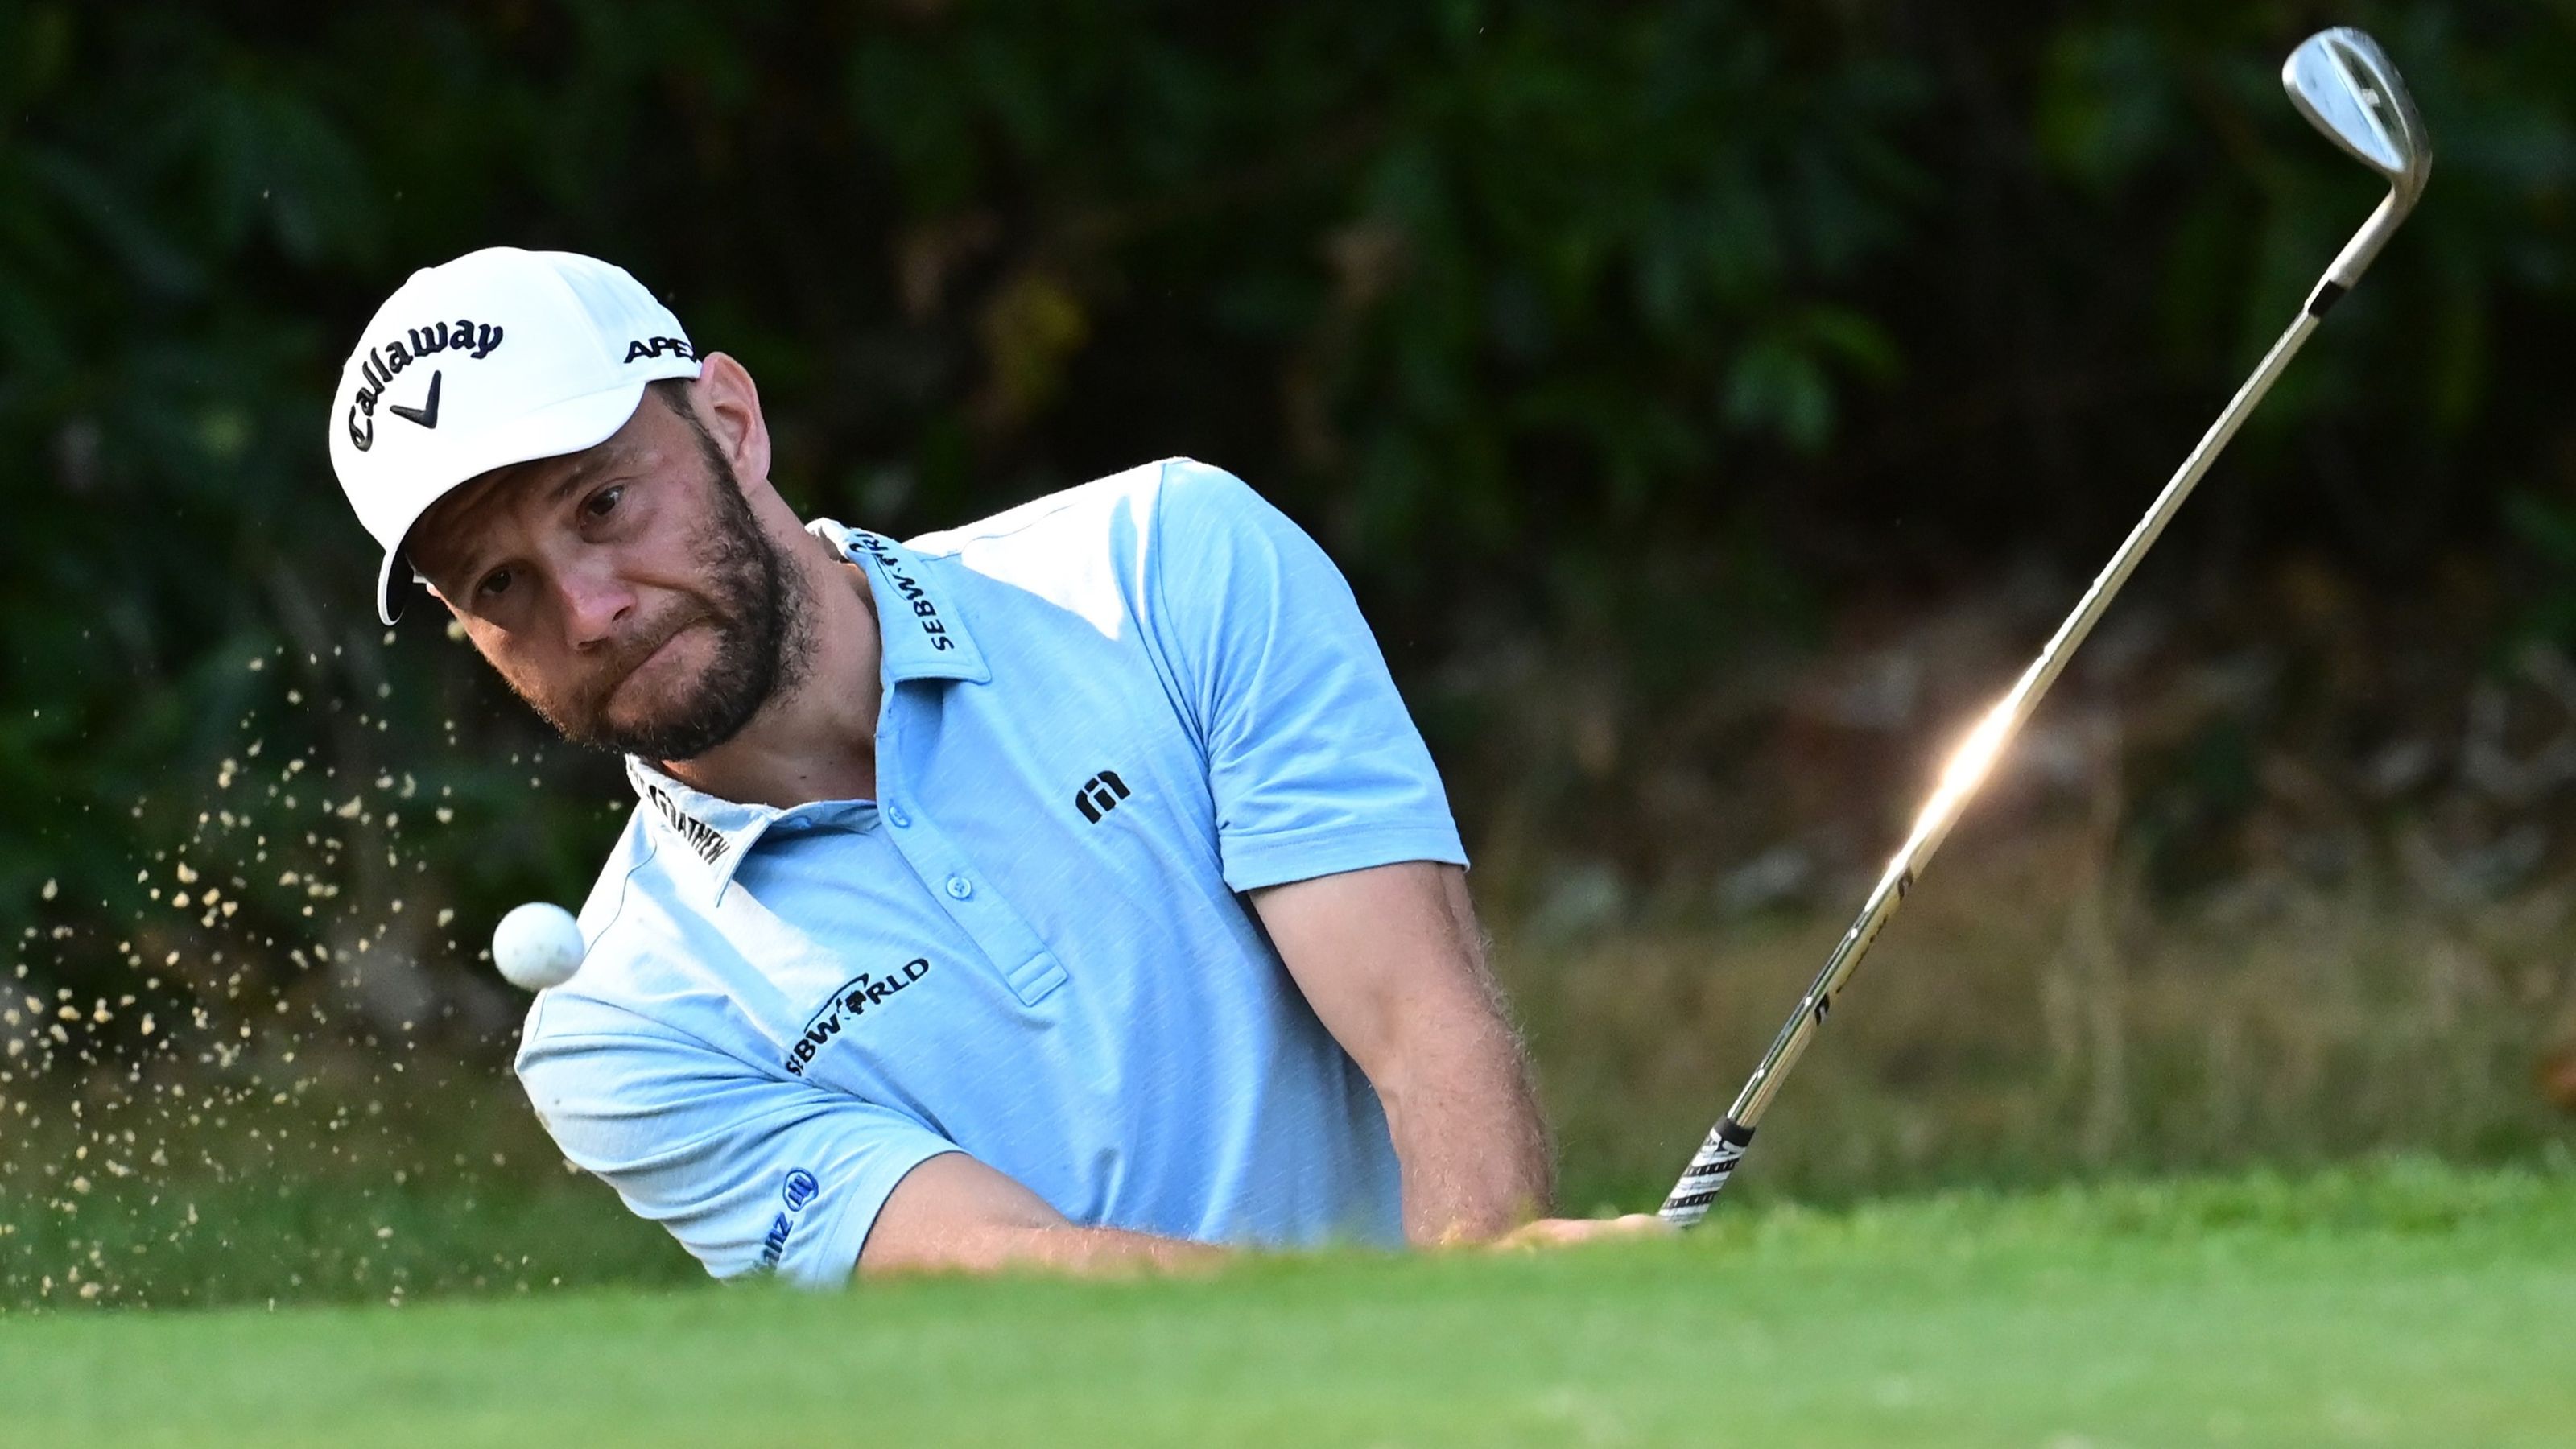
[{"x": 1107, "y": 714}]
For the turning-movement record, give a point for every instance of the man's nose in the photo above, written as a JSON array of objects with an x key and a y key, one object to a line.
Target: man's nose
[{"x": 594, "y": 601}]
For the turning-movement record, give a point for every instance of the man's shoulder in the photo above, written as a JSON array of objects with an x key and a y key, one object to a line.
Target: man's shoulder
[
  {"x": 1134, "y": 545},
  {"x": 637, "y": 971},
  {"x": 1132, "y": 507}
]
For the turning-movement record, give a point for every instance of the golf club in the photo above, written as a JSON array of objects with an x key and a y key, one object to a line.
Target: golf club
[{"x": 2344, "y": 84}]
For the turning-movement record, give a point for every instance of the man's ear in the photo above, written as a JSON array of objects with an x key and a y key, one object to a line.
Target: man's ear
[{"x": 729, "y": 404}]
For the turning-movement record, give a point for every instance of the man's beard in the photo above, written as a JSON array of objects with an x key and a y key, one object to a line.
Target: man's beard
[{"x": 753, "y": 602}]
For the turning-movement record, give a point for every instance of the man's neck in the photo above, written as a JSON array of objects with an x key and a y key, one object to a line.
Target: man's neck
[{"x": 816, "y": 741}]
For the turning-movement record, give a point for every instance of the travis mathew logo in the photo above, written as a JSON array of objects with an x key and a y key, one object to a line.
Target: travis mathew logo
[
  {"x": 470, "y": 340},
  {"x": 849, "y": 1003},
  {"x": 1099, "y": 795},
  {"x": 701, "y": 837}
]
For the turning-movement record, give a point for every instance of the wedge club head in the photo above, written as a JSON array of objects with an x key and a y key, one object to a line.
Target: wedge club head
[{"x": 2348, "y": 88}]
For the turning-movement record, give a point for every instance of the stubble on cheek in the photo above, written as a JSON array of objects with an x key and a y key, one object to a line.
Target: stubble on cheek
[
  {"x": 559, "y": 706},
  {"x": 583, "y": 700},
  {"x": 657, "y": 679}
]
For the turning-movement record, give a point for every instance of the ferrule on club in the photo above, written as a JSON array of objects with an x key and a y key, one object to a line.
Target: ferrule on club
[{"x": 2363, "y": 249}]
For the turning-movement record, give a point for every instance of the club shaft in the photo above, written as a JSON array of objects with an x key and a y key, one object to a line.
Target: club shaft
[{"x": 1724, "y": 1147}]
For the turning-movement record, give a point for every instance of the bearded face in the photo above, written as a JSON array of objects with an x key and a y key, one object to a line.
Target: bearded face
[
  {"x": 732, "y": 643},
  {"x": 629, "y": 593}
]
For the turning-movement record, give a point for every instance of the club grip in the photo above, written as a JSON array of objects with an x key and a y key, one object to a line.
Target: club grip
[{"x": 1706, "y": 1176}]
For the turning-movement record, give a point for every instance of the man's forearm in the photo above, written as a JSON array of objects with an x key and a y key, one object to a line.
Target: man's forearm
[
  {"x": 953, "y": 1214},
  {"x": 1475, "y": 1153},
  {"x": 1393, "y": 962},
  {"x": 984, "y": 1248}
]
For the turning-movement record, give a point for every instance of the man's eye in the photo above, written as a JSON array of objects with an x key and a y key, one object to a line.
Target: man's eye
[
  {"x": 493, "y": 584},
  {"x": 603, "y": 502}
]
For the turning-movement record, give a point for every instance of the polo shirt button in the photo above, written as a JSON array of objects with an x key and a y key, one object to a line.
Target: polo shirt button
[
  {"x": 959, "y": 887},
  {"x": 896, "y": 817}
]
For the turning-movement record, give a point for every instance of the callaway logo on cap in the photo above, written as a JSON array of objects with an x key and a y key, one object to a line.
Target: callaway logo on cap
[{"x": 498, "y": 357}]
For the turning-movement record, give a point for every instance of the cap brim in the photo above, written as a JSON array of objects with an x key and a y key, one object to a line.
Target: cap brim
[{"x": 550, "y": 432}]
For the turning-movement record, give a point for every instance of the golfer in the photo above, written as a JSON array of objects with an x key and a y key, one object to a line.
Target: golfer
[{"x": 1068, "y": 888}]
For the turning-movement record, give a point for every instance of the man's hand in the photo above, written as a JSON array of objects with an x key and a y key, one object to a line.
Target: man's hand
[
  {"x": 1561, "y": 1232},
  {"x": 1394, "y": 965}
]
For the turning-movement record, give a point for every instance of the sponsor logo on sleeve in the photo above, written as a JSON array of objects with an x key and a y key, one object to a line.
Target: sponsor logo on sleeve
[
  {"x": 848, "y": 1004},
  {"x": 798, "y": 1193},
  {"x": 799, "y": 1189}
]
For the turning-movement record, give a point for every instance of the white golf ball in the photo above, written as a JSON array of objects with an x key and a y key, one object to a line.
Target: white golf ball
[{"x": 537, "y": 945}]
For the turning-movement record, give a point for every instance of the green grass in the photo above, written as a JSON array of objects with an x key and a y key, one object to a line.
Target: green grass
[{"x": 2400, "y": 1303}]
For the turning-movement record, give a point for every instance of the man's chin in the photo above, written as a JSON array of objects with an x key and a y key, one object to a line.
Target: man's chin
[
  {"x": 656, "y": 739},
  {"x": 657, "y": 725},
  {"x": 679, "y": 701},
  {"x": 674, "y": 732}
]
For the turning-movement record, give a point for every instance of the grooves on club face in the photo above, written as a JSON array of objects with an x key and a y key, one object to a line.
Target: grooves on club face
[{"x": 2348, "y": 88}]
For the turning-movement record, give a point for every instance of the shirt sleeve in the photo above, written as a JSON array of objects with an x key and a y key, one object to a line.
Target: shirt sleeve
[
  {"x": 752, "y": 1173},
  {"x": 1314, "y": 763}
]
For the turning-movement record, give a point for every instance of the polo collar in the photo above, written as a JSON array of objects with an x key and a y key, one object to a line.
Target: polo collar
[
  {"x": 921, "y": 629},
  {"x": 921, "y": 634},
  {"x": 714, "y": 831}
]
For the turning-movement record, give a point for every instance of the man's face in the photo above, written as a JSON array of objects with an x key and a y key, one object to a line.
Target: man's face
[{"x": 628, "y": 592}]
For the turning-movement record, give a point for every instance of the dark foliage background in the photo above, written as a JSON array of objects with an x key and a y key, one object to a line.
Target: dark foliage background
[{"x": 1681, "y": 383}]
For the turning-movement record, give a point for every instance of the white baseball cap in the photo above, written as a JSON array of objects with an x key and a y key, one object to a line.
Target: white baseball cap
[{"x": 498, "y": 357}]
